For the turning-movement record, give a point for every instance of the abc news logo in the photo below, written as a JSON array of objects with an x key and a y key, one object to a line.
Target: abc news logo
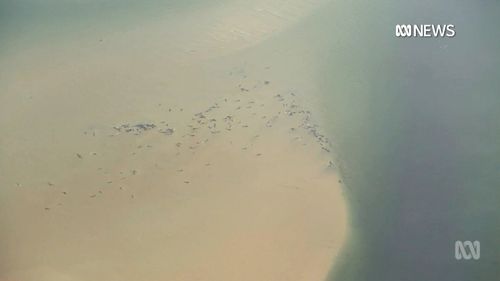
[
  {"x": 467, "y": 250},
  {"x": 425, "y": 30}
]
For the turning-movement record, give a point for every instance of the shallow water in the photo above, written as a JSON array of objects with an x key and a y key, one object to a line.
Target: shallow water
[
  {"x": 29, "y": 22},
  {"x": 416, "y": 122}
]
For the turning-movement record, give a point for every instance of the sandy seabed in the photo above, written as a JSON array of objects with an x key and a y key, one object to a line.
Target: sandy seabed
[{"x": 166, "y": 159}]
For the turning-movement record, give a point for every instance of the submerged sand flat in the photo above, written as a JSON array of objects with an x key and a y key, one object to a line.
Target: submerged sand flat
[{"x": 126, "y": 162}]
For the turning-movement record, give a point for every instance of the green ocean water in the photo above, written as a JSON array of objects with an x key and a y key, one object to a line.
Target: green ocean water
[
  {"x": 417, "y": 128},
  {"x": 416, "y": 122}
]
